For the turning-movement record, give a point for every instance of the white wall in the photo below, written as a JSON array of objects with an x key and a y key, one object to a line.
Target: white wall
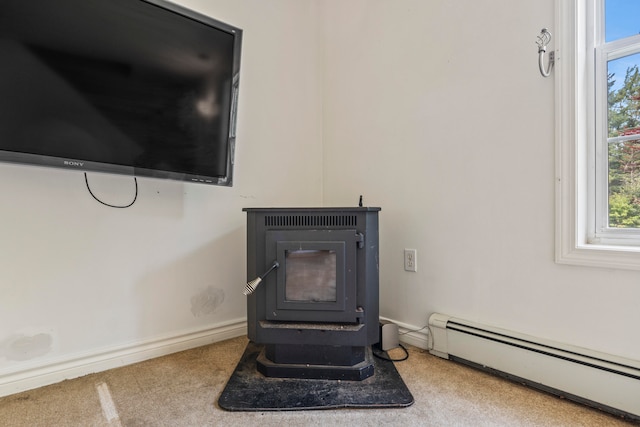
[
  {"x": 78, "y": 278},
  {"x": 433, "y": 110},
  {"x": 436, "y": 112}
]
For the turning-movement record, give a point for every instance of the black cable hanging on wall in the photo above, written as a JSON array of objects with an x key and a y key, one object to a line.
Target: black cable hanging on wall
[{"x": 135, "y": 197}]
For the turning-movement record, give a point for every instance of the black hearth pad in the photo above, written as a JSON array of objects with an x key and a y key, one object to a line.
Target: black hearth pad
[{"x": 249, "y": 390}]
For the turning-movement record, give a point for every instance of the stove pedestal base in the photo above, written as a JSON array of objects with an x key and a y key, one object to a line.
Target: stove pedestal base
[{"x": 288, "y": 364}]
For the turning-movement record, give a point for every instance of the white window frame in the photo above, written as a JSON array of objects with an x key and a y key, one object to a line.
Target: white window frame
[
  {"x": 605, "y": 52},
  {"x": 578, "y": 213}
]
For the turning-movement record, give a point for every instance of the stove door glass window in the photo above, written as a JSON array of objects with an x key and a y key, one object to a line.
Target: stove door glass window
[{"x": 310, "y": 276}]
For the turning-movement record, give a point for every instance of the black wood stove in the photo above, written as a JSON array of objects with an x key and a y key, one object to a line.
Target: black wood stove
[{"x": 316, "y": 307}]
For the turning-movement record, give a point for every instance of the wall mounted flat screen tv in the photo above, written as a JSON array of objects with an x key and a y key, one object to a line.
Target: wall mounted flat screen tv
[{"x": 138, "y": 87}]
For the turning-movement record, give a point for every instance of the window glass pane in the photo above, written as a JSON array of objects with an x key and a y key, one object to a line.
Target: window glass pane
[
  {"x": 622, "y": 19},
  {"x": 624, "y": 141},
  {"x": 310, "y": 276},
  {"x": 623, "y": 92}
]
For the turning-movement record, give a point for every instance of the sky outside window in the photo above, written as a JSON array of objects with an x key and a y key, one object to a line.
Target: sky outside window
[{"x": 622, "y": 19}]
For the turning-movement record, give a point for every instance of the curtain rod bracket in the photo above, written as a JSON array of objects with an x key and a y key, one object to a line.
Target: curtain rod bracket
[{"x": 543, "y": 40}]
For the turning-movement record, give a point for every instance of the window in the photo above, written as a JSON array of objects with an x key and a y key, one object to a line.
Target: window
[
  {"x": 617, "y": 135},
  {"x": 598, "y": 133}
]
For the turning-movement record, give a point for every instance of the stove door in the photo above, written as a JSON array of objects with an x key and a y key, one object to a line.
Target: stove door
[{"x": 316, "y": 280}]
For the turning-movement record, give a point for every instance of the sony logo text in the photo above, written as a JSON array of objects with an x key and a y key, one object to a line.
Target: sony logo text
[{"x": 72, "y": 163}]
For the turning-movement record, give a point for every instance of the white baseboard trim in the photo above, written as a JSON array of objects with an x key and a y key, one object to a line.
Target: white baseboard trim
[
  {"x": 35, "y": 375},
  {"x": 417, "y": 336}
]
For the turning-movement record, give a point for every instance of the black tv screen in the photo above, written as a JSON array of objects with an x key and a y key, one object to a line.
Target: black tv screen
[{"x": 140, "y": 87}]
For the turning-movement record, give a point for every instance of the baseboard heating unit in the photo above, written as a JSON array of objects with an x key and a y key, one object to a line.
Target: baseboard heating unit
[{"x": 600, "y": 380}]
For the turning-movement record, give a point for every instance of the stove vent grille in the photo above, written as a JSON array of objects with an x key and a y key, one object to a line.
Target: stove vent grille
[{"x": 304, "y": 221}]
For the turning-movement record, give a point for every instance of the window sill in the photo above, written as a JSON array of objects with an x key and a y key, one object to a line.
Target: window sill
[{"x": 599, "y": 255}]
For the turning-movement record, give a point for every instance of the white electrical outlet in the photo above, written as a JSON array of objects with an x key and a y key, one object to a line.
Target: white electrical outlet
[{"x": 410, "y": 260}]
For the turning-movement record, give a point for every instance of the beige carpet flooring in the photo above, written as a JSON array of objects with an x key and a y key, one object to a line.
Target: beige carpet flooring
[{"x": 182, "y": 390}]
